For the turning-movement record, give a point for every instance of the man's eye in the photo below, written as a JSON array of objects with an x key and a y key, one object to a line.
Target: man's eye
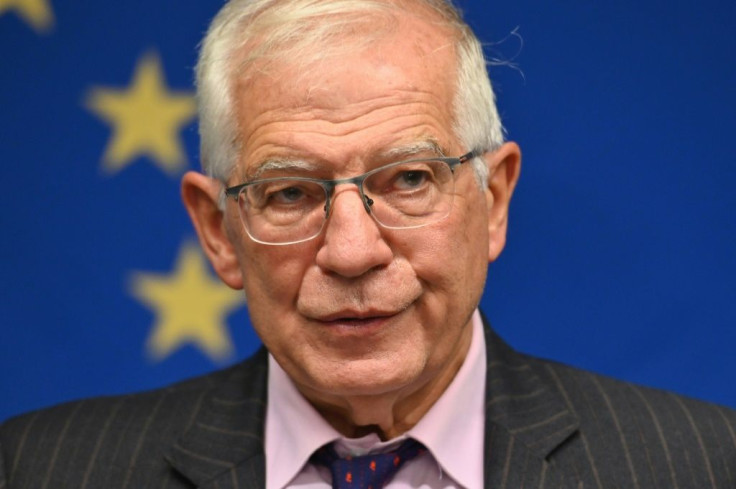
[
  {"x": 290, "y": 194},
  {"x": 287, "y": 195},
  {"x": 411, "y": 179}
]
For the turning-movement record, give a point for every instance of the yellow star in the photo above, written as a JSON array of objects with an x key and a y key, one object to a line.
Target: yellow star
[
  {"x": 146, "y": 117},
  {"x": 190, "y": 307},
  {"x": 36, "y": 12}
]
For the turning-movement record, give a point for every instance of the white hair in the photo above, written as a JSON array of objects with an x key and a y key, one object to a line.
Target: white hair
[{"x": 264, "y": 31}]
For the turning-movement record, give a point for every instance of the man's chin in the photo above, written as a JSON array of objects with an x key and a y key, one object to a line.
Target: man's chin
[{"x": 367, "y": 378}]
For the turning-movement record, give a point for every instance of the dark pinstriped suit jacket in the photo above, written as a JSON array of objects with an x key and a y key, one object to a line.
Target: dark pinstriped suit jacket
[{"x": 547, "y": 426}]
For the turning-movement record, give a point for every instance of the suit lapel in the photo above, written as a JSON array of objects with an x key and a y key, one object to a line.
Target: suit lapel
[
  {"x": 224, "y": 445},
  {"x": 526, "y": 421}
]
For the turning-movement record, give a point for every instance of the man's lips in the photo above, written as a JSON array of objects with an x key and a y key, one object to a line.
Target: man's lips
[
  {"x": 357, "y": 317},
  {"x": 356, "y": 325},
  {"x": 359, "y": 323}
]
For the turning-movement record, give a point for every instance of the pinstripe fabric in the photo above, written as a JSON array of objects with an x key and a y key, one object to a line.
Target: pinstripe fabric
[
  {"x": 125, "y": 441},
  {"x": 548, "y": 426}
]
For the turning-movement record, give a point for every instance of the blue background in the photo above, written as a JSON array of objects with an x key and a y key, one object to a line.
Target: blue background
[{"x": 620, "y": 257}]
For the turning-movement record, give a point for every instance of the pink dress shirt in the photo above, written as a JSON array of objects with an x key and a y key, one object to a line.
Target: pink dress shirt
[{"x": 452, "y": 430}]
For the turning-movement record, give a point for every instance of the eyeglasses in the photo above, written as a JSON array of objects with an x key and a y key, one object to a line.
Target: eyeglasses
[{"x": 404, "y": 195}]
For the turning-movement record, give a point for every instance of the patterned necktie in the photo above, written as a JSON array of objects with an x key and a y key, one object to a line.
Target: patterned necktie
[{"x": 366, "y": 471}]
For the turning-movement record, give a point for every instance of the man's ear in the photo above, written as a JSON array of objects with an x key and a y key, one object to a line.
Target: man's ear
[
  {"x": 201, "y": 194},
  {"x": 504, "y": 165}
]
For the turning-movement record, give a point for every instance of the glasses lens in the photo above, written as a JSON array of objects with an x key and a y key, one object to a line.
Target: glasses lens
[
  {"x": 410, "y": 194},
  {"x": 282, "y": 210}
]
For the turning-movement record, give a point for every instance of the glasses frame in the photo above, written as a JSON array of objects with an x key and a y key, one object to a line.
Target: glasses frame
[{"x": 330, "y": 185}]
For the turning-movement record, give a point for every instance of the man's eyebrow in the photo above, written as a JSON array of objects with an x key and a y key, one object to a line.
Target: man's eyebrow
[
  {"x": 409, "y": 150},
  {"x": 280, "y": 165},
  {"x": 295, "y": 165}
]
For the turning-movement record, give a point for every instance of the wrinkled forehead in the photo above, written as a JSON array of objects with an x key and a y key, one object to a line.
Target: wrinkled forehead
[
  {"x": 408, "y": 72},
  {"x": 372, "y": 79}
]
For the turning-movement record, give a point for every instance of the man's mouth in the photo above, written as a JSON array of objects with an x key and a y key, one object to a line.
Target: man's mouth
[
  {"x": 356, "y": 318},
  {"x": 354, "y": 321}
]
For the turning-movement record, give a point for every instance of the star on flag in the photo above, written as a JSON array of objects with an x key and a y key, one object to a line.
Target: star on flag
[
  {"x": 190, "y": 307},
  {"x": 146, "y": 119},
  {"x": 37, "y": 13}
]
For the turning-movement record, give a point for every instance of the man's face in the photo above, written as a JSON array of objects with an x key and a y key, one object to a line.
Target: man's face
[{"x": 362, "y": 310}]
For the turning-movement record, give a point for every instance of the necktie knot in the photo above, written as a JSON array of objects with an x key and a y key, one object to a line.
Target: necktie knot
[{"x": 371, "y": 471}]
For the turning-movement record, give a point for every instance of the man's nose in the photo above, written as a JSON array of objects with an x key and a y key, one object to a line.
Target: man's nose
[{"x": 353, "y": 243}]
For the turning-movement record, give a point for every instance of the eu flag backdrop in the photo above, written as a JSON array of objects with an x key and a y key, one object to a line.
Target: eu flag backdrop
[{"x": 620, "y": 257}]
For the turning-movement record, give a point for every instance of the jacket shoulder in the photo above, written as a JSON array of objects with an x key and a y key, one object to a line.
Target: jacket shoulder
[
  {"x": 98, "y": 412},
  {"x": 653, "y": 437},
  {"x": 103, "y": 441}
]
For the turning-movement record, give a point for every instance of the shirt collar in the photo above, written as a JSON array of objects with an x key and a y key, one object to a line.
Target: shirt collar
[
  {"x": 294, "y": 428},
  {"x": 453, "y": 428}
]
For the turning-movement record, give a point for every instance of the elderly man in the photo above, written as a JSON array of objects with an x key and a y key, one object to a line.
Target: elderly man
[{"x": 357, "y": 185}]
